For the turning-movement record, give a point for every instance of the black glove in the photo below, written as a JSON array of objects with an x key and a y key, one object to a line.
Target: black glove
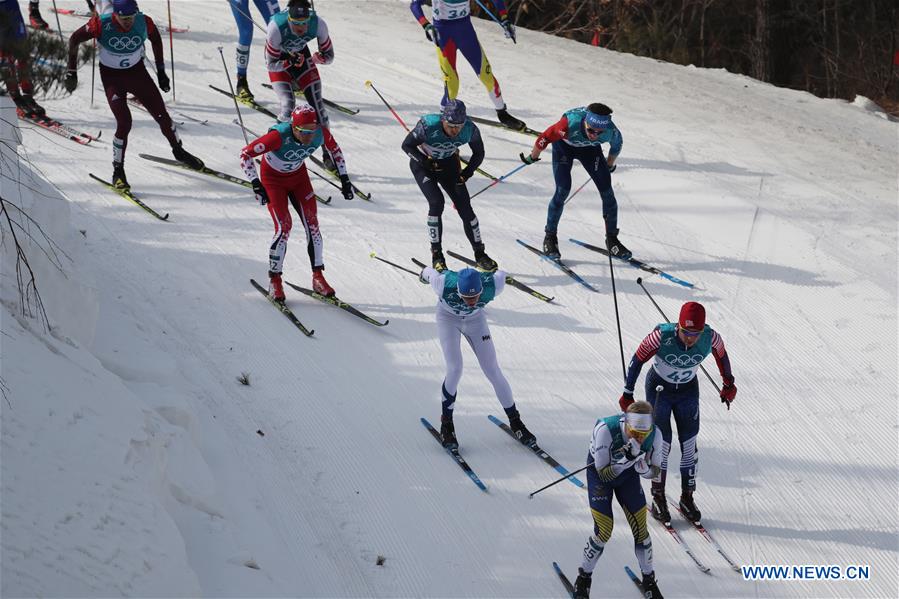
[
  {"x": 430, "y": 164},
  {"x": 466, "y": 173},
  {"x": 71, "y": 81},
  {"x": 346, "y": 188},
  {"x": 612, "y": 168},
  {"x": 632, "y": 449},
  {"x": 527, "y": 158},
  {"x": 431, "y": 33},
  {"x": 259, "y": 190},
  {"x": 163, "y": 79},
  {"x": 508, "y": 29}
]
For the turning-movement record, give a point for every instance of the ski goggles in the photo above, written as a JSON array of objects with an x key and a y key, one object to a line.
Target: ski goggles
[
  {"x": 305, "y": 129},
  {"x": 300, "y": 21},
  {"x": 591, "y": 131},
  {"x": 689, "y": 333},
  {"x": 638, "y": 425}
]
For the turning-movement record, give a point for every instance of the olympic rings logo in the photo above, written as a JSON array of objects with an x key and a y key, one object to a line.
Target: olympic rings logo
[
  {"x": 294, "y": 45},
  {"x": 446, "y": 145},
  {"x": 296, "y": 155},
  {"x": 128, "y": 44},
  {"x": 683, "y": 360}
]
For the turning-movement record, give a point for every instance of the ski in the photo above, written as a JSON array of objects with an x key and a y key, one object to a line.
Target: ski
[
  {"x": 565, "y": 582},
  {"x": 86, "y": 14},
  {"x": 336, "y": 176},
  {"x": 560, "y": 265},
  {"x": 299, "y": 94},
  {"x": 251, "y": 103},
  {"x": 510, "y": 280},
  {"x": 636, "y": 264},
  {"x": 454, "y": 453},
  {"x": 540, "y": 453},
  {"x": 634, "y": 579},
  {"x": 492, "y": 123},
  {"x": 60, "y": 129},
  {"x": 707, "y": 536},
  {"x": 683, "y": 544},
  {"x": 128, "y": 195},
  {"x": 334, "y": 301},
  {"x": 397, "y": 266},
  {"x": 283, "y": 309}
]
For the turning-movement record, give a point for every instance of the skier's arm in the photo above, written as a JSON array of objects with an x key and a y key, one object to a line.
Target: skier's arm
[
  {"x": 436, "y": 279},
  {"x": 89, "y": 30},
  {"x": 477, "y": 152},
  {"x": 274, "y": 60},
  {"x": 721, "y": 358},
  {"x": 418, "y": 13},
  {"x": 614, "y": 145},
  {"x": 267, "y": 143},
  {"x": 499, "y": 282},
  {"x": 647, "y": 349},
  {"x": 415, "y": 138},
  {"x": 156, "y": 42},
  {"x": 601, "y": 448},
  {"x": 555, "y": 132},
  {"x": 325, "y": 54},
  {"x": 335, "y": 151}
]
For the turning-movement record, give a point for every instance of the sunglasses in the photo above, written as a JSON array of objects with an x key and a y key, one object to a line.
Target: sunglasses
[
  {"x": 300, "y": 22},
  {"x": 592, "y": 131},
  {"x": 688, "y": 333},
  {"x": 638, "y": 434},
  {"x": 304, "y": 130}
]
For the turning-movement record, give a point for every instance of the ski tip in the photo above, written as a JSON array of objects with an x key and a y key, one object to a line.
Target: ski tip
[{"x": 165, "y": 218}]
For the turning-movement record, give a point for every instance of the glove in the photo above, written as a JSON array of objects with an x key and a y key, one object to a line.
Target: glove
[
  {"x": 319, "y": 58},
  {"x": 71, "y": 81},
  {"x": 259, "y": 190},
  {"x": 625, "y": 400},
  {"x": 612, "y": 167},
  {"x": 163, "y": 79},
  {"x": 295, "y": 65},
  {"x": 528, "y": 159},
  {"x": 466, "y": 174},
  {"x": 431, "y": 33},
  {"x": 728, "y": 392},
  {"x": 641, "y": 467},
  {"x": 430, "y": 164},
  {"x": 346, "y": 188},
  {"x": 632, "y": 449},
  {"x": 508, "y": 29},
  {"x": 421, "y": 277}
]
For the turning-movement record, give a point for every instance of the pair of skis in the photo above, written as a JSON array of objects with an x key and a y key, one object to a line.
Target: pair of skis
[
  {"x": 533, "y": 447},
  {"x": 54, "y": 126},
  {"x": 705, "y": 535},
  {"x": 332, "y": 300}
]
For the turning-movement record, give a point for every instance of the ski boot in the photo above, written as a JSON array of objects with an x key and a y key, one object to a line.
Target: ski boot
[
  {"x": 243, "y": 89},
  {"x": 660, "y": 507},
  {"x": 275, "y": 287},
  {"x": 650, "y": 588},
  {"x": 521, "y": 431},
  {"x": 437, "y": 259},
  {"x": 28, "y": 108},
  {"x": 582, "y": 584},
  {"x": 616, "y": 248},
  {"x": 320, "y": 285},
  {"x": 551, "y": 246},
  {"x": 118, "y": 177},
  {"x": 485, "y": 262},
  {"x": 185, "y": 157},
  {"x": 328, "y": 161},
  {"x": 448, "y": 433},
  {"x": 688, "y": 507},
  {"x": 34, "y": 15},
  {"x": 508, "y": 120}
]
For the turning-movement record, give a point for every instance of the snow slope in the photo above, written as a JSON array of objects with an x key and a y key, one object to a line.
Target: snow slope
[{"x": 133, "y": 462}]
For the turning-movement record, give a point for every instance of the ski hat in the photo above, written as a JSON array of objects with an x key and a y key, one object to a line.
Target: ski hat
[
  {"x": 692, "y": 316},
  {"x": 598, "y": 121},
  {"x": 124, "y": 8},
  {"x": 454, "y": 112},
  {"x": 469, "y": 284},
  {"x": 303, "y": 117},
  {"x": 299, "y": 12}
]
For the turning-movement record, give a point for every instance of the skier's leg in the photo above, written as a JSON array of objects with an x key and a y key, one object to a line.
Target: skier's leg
[
  {"x": 467, "y": 42},
  {"x": 446, "y": 56},
  {"x": 595, "y": 164},
  {"x": 303, "y": 199},
  {"x": 277, "y": 207},
  {"x": 477, "y": 333},
  {"x": 450, "y": 342},
  {"x": 431, "y": 190},
  {"x": 146, "y": 92},
  {"x": 600, "y": 497},
  {"x": 686, "y": 417},
  {"x": 116, "y": 90},
  {"x": 633, "y": 503},
  {"x": 562, "y": 162},
  {"x": 662, "y": 420}
]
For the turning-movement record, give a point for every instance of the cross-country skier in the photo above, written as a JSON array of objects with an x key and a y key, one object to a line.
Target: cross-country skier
[
  {"x": 579, "y": 135},
  {"x": 459, "y": 313},
  {"x": 15, "y": 61},
  {"x": 623, "y": 446},
  {"x": 292, "y": 65},
  {"x": 284, "y": 177},
  {"x": 120, "y": 36},
  {"x": 452, "y": 30},
  {"x": 679, "y": 349},
  {"x": 433, "y": 152},
  {"x": 241, "y": 11}
]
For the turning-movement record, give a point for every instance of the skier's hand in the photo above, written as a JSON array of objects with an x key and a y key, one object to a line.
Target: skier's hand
[
  {"x": 346, "y": 188},
  {"x": 466, "y": 173},
  {"x": 641, "y": 467},
  {"x": 163, "y": 79},
  {"x": 431, "y": 33},
  {"x": 625, "y": 401},
  {"x": 528, "y": 158},
  {"x": 508, "y": 29},
  {"x": 71, "y": 81},
  {"x": 728, "y": 392},
  {"x": 259, "y": 190},
  {"x": 319, "y": 58},
  {"x": 430, "y": 164},
  {"x": 421, "y": 276},
  {"x": 632, "y": 449}
]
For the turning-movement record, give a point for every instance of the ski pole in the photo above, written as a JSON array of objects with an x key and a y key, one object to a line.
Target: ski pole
[
  {"x": 240, "y": 10},
  {"x": 502, "y": 178},
  {"x": 555, "y": 482},
  {"x": 93, "y": 71},
  {"x": 234, "y": 97},
  {"x": 171, "y": 48},
  {"x": 701, "y": 367},
  {"x": 387, "y": 104},
  {"x": 617, "y": 321},
  {"x": 659, "y": 389},
  {"x": 58, "y": 26},
  {"x": 584, "y": 184},
  {"x": 393, "y": 264}
]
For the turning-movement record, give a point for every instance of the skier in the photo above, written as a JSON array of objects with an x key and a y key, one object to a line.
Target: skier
[
  {"x": 459, "y": 312},
  {"x": 432, "y": 147},
  {"x": 579, "y": 135},
  {"x": 284, "y": 177},
  {"x": 120, "y": 36},
  {"x": 241, "y": 11},
  {"x": 15, "y": 61},
  {"x": 622, "y": 447},
  {"x": 679, "y": 349},
  {"x": 292, "y": 65},
  {"x": 452, "y": 30}
]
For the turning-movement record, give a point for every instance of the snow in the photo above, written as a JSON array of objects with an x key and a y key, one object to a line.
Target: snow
[{"x": 131, "y": 461}]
